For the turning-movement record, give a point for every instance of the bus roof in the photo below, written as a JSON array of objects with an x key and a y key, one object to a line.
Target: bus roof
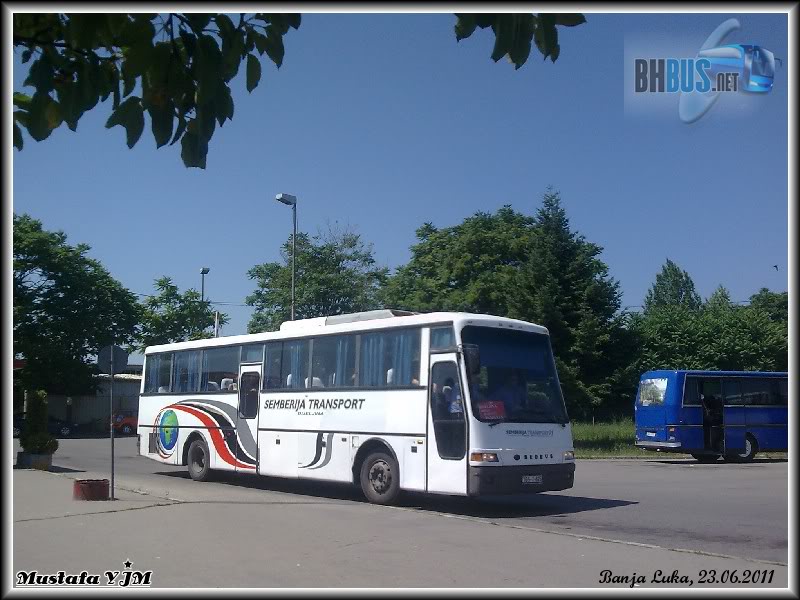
[
  {"x": 354, "y": 322},
  {"x": 715, "y": 373}
]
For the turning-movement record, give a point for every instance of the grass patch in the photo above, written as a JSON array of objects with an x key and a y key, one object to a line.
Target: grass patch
[
  {"x": 604, "y": 440},
  {"x": 616, "y": 440}
]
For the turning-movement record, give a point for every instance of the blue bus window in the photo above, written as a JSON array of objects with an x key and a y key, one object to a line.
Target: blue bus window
[
  {"x": 783, "y": 392},
  {"x": 710, "y": 390},
  {"x": 756, "y": 392},
  {"x": 652, "y": 391},
  {"x": 732, "y": 391},
  {"x": 690, "y": 397}
]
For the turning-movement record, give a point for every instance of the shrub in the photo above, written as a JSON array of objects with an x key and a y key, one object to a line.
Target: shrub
[
  {"x": 34, "y": 437},
  {"x": 38, "y": 443}
]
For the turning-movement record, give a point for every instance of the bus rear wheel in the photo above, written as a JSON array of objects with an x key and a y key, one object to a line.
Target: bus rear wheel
[
  {"x": 380, "y": 478},
  {"x": 750, "y": 450},
  {"x": 199, "y": 460}
]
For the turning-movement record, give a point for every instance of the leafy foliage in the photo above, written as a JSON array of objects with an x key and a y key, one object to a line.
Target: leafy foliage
[
  {"x": 533, "y": 268},
  {"x": 34, "y": 437},
  {"x": 469, "y": 267},
  {"x": 564, "y": 286},
  {"x": 335, "y": 273},
  {"x": 673, "y": 287},
  {"x": 718, "y": 336},
  {"x": 514, "y": 34},
  {"x": 66, "y": 307},
  {"x": 775, "y": 305},
  {"x": 169, "y": 316},
  {"x": 181, "y": 64}
]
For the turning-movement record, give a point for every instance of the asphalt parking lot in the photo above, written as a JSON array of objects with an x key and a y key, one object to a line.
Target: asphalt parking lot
[{"x": 630, "y": 515}]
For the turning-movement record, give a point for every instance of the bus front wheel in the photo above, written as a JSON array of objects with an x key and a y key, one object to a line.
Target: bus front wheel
[
  {"x": 199, "y": 460},
  {"x": 750, "y": 450},
  {"x": 380, "y": 478}
]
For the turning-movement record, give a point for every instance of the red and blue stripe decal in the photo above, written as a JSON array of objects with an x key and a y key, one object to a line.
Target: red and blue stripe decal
[{"x": 227, "y": 447}]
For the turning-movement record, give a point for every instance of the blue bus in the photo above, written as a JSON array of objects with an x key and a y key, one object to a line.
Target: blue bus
[{"x": 709, "y": 414}]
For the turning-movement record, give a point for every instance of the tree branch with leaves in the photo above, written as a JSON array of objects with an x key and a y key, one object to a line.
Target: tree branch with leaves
[{"x": 181, "y": 65}]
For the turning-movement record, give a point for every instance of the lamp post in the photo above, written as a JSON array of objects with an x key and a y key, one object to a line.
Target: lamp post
[
  {"x": 203, "y": 272},
  {"x": 290, "y": 200}
]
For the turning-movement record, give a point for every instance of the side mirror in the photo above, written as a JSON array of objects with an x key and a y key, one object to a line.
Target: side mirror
[{"x": 472, "y": 358}]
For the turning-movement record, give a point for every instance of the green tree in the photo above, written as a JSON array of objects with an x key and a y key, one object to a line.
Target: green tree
[
  {"x": 564, "y": 286},
  {"x": 169, "y": 316},
  {"x": 774, "y": 304},
  {"x": 673, "y": 287},
  {"x": 66, "y": 307},
  {"x": 335, "y": 273},
  {"x": 718, "y": 336},
  {"x": 469, "y": 267},
  {"x": 670, "y": 336},
  {"x": 738, "y": 338},
  {"x": 181, "y": 64}
]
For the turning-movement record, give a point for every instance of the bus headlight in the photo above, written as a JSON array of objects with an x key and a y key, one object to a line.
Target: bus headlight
[
  {"x": 569, "y": 455},
  {"x": 483, "y": 457}
]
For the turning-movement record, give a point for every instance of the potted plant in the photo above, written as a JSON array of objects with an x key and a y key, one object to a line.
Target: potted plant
[{"x": 37, "y": 444}]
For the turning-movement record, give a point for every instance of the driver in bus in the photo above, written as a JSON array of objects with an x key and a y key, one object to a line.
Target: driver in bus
[{"x": 513, "y": 393}]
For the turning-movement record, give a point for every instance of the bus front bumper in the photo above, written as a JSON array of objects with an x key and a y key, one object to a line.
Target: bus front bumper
[{"x": 520, "y": 479}]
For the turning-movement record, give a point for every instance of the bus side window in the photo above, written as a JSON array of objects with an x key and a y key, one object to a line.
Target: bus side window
[
  {"x": 782, "y": 392},
  {"x": 272, "y": 366},
  {"x": 756, "y": 392},
  {"x": 690, "y": 396},
  {"x": 732, "y": 391}
]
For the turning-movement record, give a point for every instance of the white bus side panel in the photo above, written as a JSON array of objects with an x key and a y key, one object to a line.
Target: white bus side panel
[
  {"x": 324, "y": 456},
  {"x": 411, "y": 456},
  {"x": 277, "y": 453},
  {"x": 391, "y": 412},
  {"x": 320, "y": 431}
]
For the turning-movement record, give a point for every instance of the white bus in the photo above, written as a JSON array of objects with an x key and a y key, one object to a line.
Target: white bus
[{"x": 446, "y": 403}]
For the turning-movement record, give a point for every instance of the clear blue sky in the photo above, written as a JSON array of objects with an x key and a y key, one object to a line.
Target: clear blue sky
[{"x": 382, "y": 122}]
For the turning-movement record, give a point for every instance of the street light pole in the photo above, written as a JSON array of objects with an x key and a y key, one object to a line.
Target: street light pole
[
  {"x": 290, "y": 200},
  {"x": 203, "y": 272},
  {"x": 294, "y": 241}
]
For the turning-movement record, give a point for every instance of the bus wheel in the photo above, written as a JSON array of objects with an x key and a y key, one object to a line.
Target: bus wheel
[
  {"x": 380, "y": 478},
  {"x": 705, "y": 458},
  {"x": 199, "y": 460},
  {"x": 750, "y": 450}
]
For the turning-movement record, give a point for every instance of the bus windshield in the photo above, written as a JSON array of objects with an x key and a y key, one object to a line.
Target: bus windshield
[{"x": 517, "y": 382}]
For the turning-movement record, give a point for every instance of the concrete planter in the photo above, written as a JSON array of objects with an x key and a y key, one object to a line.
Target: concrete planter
[{"x": 26, "y": 460}]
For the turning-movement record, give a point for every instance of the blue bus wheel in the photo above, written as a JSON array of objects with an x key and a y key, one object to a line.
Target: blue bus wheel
[{"x": 749, "y": 453}]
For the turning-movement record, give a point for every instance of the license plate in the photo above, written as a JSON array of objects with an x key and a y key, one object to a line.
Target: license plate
[
  {"x": 650, "y": 434},
  {"x": 531, "y": 479}
]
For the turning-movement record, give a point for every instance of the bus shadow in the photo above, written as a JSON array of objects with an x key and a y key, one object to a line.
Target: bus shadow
[
  {"x": 305, "y": 487},
  {"x": 508, "y": 507},
  {"x": 683, "y": 462},
  {"x": 513, "y": 507}
]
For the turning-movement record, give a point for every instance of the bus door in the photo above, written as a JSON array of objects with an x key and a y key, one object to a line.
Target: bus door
[
  {"x": 447, "y": 427},
  {"x": 733, "y": 415},
  {"x": 710, "y": 392},
  {"x": 247, "y": 418}
]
